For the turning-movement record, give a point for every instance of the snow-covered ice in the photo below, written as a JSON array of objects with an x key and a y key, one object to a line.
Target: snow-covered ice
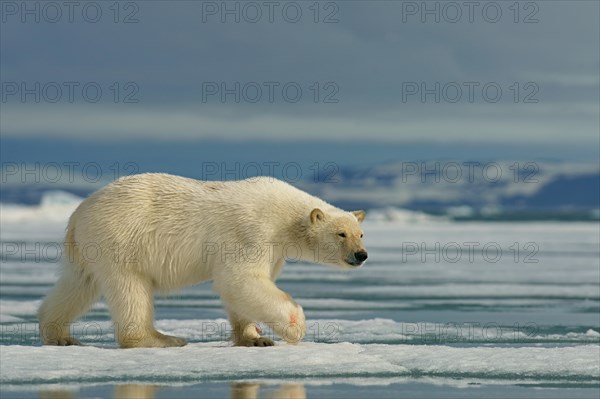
[{"x": 208, "y": 361}]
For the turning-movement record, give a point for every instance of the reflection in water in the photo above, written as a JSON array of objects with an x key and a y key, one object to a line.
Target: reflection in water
[
  {"x": 239, "y": 390},
  {"x": 135, "y": 391},
  {"x": 250, "y": 391},
  {"x": 56, "y": 394}
]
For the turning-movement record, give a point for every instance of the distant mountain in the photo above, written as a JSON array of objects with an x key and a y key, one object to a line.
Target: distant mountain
[
  {"x": 419, "y": 178},
  {"x": 575, "y": 192},
  {"x": 471, "y": 189}
]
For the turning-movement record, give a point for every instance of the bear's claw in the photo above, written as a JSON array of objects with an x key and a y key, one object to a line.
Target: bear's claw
[{"x": 260, "y": 341}]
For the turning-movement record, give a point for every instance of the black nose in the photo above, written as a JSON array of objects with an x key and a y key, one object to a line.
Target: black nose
[{"x": 361, "y": 256}]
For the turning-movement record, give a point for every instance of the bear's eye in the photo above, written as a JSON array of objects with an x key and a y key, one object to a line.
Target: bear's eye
[
  {"x": 361, "y": 234},
  {"x": 342, "y": 235}
]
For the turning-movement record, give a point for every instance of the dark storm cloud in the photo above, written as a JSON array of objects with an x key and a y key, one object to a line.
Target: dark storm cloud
[{"x": 365, "y": 65}]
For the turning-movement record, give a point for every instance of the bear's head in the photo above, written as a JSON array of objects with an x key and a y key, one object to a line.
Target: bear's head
[{"x": 336, "y": 238}]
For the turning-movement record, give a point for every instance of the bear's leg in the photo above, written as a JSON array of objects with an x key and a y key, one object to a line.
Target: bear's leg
[
  {"x": 130, "y": 299},
  {"x": 73, "y": 294},
  {"x": 246, "y": 332},
  {"x": 257, "y": 299}
]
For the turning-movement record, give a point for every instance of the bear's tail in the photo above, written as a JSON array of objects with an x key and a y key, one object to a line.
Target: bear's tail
[{"x": 73, "y": 254}]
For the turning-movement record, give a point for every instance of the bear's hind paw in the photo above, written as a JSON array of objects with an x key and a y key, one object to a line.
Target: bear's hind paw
[
  {"x": 63, "y": 341},
  {"x": 153, "y": 340}
]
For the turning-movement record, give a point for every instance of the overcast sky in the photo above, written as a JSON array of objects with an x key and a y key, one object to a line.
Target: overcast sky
[{"x": 361, "y": 75}]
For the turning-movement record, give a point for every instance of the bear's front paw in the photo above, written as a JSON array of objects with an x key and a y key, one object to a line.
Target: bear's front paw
[
  {"x": 260, "y": 341},
  {"x": 295, "y": 329}
]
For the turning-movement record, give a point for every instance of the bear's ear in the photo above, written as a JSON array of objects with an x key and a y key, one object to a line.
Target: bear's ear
[
  {"x": 360, "y": 215},
  {"x": 316, "y": 214}
]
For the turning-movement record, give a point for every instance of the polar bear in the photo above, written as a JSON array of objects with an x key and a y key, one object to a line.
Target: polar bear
[{"x": 156, "y": 232}]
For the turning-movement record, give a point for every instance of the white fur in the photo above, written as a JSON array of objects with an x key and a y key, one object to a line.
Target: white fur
[{"x": 158, "y": 232}]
